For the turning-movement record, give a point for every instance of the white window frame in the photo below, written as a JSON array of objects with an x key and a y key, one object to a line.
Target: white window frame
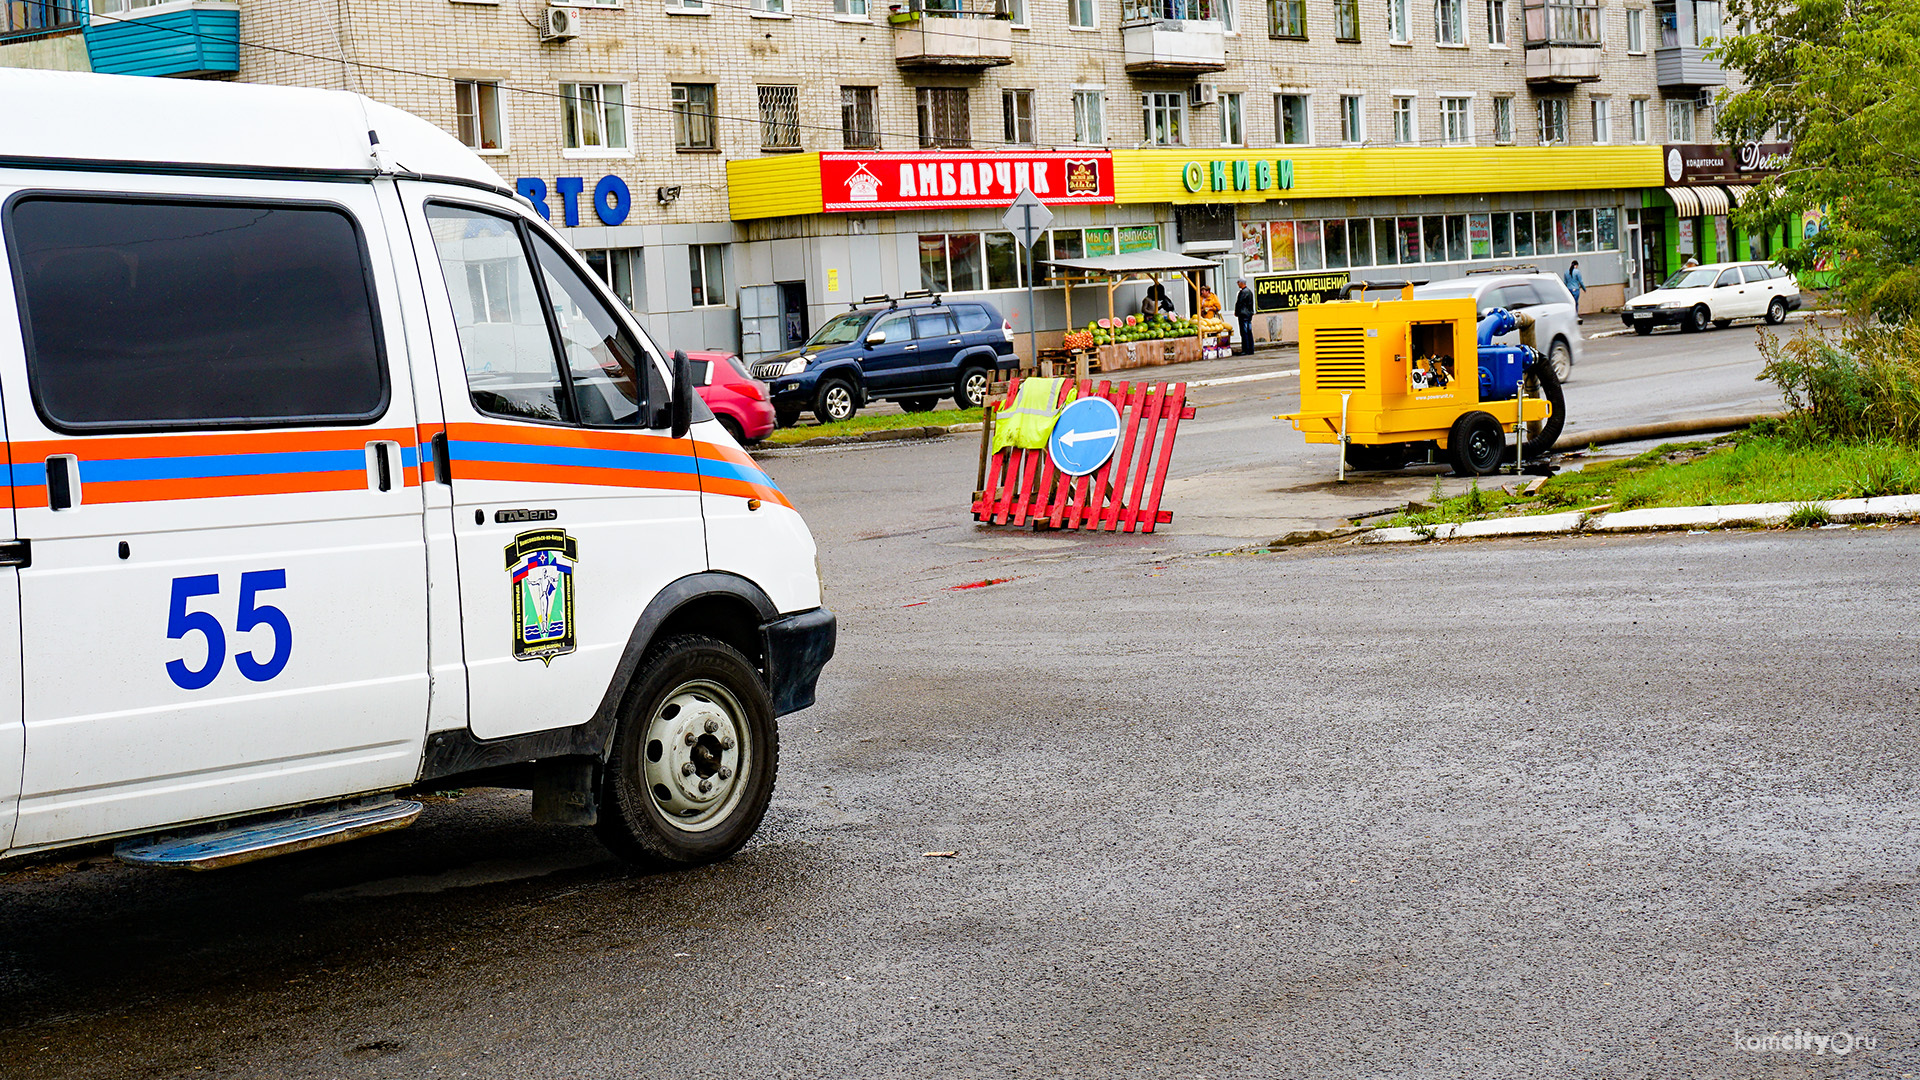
[
  {"x": 1233, "y": 119},
  {"x": 1090, "y": 8},
  {"x": 1090, "y": 126},
  {"x": 853, "y": 10},
  {"x": 1551, "y": 107},
  {"x": 1681, "y": 108},
  {"x": 675, "y": 99},
  {"x": 1306, "y": 106},
  {"x": 1223, "y": 9},
  {"x": 1157, "y": 102},
  {"x": 1353, "y": 117},
  {"x": 769, "y": 9},
  {"x": 1406, "y": 118},
  {"x": 1464, "y": 100},
  {"x": 707, "y": 258},
  {"x": 1497, "y": 24},
  {"x": 1503, "y": 132},
  {"x": 1636, "y": 32},
  {"x": 1010, "y": 100},
  {"x": 688, "y": 7},
  {"x": 1017, "y": 15},
  {"x": 1458, "y": 24},
  {"x": 1399, "y": 22},
  {"x": 1601, "y": 109},
  {"x": 1637, "y": 119},
  {"x": 570, "y": 103},
  {"x": 467, "y": 96}
]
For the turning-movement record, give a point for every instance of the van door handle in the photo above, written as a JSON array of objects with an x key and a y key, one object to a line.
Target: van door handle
[
  {"x": 442, "y": 459},
  {"x": 16, "y": 553},
  {"x": 63, "y": 482},
  {"x": 380, "y": 465}
]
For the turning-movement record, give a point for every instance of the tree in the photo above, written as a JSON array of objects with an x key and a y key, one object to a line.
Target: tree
[{"x": 1841, "y": 79}]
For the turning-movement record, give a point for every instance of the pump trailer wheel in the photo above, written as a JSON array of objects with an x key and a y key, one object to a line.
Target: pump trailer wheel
[{"x": 1476, "y": 444}]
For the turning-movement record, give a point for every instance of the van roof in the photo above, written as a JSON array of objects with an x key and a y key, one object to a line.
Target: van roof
[{"x": 185, "y": 125}]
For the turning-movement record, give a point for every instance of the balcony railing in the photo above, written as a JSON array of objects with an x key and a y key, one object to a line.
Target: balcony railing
[
  {"x": 1172, "y": 37},
  {"x": 1139, "y": 11},
  {"x": 1563, "y": 41},
  {"x": 25, "y": 18},
  {"x": 952, "y": 34}
]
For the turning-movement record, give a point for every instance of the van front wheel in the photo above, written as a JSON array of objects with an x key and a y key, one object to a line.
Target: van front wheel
[{"x": 693, "y": 760}]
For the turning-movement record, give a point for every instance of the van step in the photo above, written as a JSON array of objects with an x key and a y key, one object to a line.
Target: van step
[{"x": 276, "y": 836}]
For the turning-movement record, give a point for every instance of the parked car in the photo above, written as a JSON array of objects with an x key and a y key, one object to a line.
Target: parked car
[
  {"x": 738, "y": 400},
  {"x": 1715, "y": 293},
  {"x": 1556, "y": 321},
  {"x": 912, "y": 353}
]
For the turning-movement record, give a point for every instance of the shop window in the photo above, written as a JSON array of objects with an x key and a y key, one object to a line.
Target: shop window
[
  {"x": 858, "y": 129},
  {"x": 1089, "y": 117},
  {"x": 1360, "y": 241},
  {"x": 1433, "y": 234},
  {"x": 1352, "y": 129},
  {"x": 1583, "y": 229},
  {"x": 1602, "y": 121},
  {"x": 779, "y": 117},
  {"x": 1523, "y": 235},
  {"x": 1291, "y": 120},
  {"x": 1346, "y": 20},
  {"x": 1233, "y": 128},
  {"x": 951, "y": 262},
  {"x": 1563, "y": 231},
  {"x": 1606, "y": 224},
  {"x": 1399, "y": 22},
  {"x": 1497, "y": 24},
  {"x": 1384, "y": 242},
  {"x": 1165, "y": 118},
  {"x": 1503, "y": 120},
  {"x": 1502, "y": 235},
  {"x": 594, "y": 116},
  {"x": 1457, "y": 238},
  {"x": 1456, "y": 120},
  {"x": 1016, "y": 114},
  {"x": 1403, "y": 132},
  {"x": 1552, "y": 114},
  {"x": 1287, "y": 19},
  {"x": 476, "y": 109},
  {"x": 1449, "y": 22},
  {"x": 1409, "y": 232},
  {"x": 706, "y": 272},
  {"x": 1333, "y": 237},
  {"x": 693, "y": 125},
  {"x": 944, "y": 119},
  {"x": 1003, "y": 261},
  {"x": 620, "y": 270}
]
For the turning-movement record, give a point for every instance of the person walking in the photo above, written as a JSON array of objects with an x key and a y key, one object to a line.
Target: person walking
[
  {"x": 1243, "y": 310},
  {"x": 1576, "y": 285}
]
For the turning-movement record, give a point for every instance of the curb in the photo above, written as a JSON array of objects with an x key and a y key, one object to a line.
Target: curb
[
  {"x": 887, "y": 435},
  {"x": 1737, "y": 515}
]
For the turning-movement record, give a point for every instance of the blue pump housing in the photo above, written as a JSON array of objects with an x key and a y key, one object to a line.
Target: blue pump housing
[{"x": 1501, "y": 366}]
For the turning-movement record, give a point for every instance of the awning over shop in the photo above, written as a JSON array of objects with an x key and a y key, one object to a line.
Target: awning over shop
[
  {"x": 1135, "y": 262},
  {"x": 1685, "y": 202},
  {"x": 1713, "y": 201},
  {"x": 1740, "y": 192}
]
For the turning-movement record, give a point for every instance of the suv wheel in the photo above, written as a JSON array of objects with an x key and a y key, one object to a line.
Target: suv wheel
[
  {"x": 835, "y": 401},
  {"x": 919, "y": 404},
  {"x": 971, "y": 391}
]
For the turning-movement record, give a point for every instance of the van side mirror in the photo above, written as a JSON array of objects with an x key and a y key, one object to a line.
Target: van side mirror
[
  {"x": 876, "y": 338},
  {"x": 683, "y": 391}
]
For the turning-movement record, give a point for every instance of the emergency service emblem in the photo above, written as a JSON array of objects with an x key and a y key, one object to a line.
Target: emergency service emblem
[{"x": 540, "y": 564}]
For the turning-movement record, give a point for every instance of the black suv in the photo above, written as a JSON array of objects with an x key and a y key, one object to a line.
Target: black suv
[{"x": 912, "y": 353}]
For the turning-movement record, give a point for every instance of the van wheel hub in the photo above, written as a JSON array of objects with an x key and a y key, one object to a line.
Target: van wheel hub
[{"x": 694, "y": 757}]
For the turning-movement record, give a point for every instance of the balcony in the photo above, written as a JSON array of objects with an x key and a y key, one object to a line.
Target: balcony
[
  {"x": 949, "y": 34},
  {"x": 1563, "y": 42},
  {"x": 178, "y": 37},
  {"x": 1687, "y": 32},
  {"x": 1172, "y": 37},
  {"x": 1686, "y": 67}
]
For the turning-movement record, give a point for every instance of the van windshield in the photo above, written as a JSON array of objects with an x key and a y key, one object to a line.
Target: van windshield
[
  {"x": 1697, "y": 278},
  {"x": 843, "y": 330}
]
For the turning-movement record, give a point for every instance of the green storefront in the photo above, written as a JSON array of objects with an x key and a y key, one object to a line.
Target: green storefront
[{"x": 1692, "y": 216}]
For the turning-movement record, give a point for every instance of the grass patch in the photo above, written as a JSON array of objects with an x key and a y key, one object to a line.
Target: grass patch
[
  {"x": 1758, "y": 466},
  {"x": 862, "y": 423}
]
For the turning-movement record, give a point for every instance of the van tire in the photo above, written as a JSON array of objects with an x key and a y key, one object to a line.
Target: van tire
[
  {"x": 970, "y": 390},
  {"x": 837, "y": 400},
  {"x": 692, "y": 696}
]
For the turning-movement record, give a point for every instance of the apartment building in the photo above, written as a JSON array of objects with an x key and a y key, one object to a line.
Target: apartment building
[{"x": 739, "y": 170}]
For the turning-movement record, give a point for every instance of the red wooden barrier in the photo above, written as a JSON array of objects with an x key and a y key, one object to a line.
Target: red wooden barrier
[{"x": 1022, "y": 486}]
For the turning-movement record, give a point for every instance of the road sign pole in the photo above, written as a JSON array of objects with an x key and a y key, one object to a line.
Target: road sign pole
[{"x": 1033, "y": 314}]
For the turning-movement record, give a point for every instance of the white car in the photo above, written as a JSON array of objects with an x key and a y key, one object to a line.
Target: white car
[
  {"x": 1717, "y": 294},
  {"x": 1543, "y": 296}
]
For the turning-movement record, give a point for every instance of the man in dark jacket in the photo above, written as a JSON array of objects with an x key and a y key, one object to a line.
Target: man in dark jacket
[{"x": 1243, "y": 310}]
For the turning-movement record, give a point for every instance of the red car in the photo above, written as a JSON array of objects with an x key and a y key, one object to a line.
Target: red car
[{"x": 738, "y": 400}]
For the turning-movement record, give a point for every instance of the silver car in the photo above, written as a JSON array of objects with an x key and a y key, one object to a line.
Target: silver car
[{"x": 1543, "y": 296}]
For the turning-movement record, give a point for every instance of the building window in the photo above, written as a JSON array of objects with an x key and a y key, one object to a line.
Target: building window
[
  {"x": 619, "y": 269},
  {"x": 1017, "y": 12},
  {"x": 1553, "y": 121},
  {"x": 1346, "y": 20},
  {"x": 1497, "y": 23},
  {"x": 851, "y": 8},
  {"x": 1290, "y": 121},
  {"x": 1223, "y": 10},
  {"x": 1636, "y": 30},
  {"x": 857, "y": 128},
  {"x": 1016, "y": 114},
  {"x": 944, "y": 119},
  {"x": 687, "y": 7},
  {"x": 1233, "y": 129},
  {"x": 1351, "y": 130},
  {"x": 1083, "y": 14},
  {"x": 692, "y": 116},
  {"x": 1564, "y": 22},
  {"x": 1450, "y": 22},
  {"x": 1706, "y": 22},
  {"x": 707, "y": 274},
  {"x": 1089, "y": 117},
  {"x": 1456, "y": 120},
  {"x": 1403, "y": 120},
  {"x": 1602, "y": 121},
  {"x": 1503, "y": 120},
  {"x": 594, "y": 115},
  {"x": 1287, "y": 19},
  {"x": 1399, "y": 22},
  {"x": 1680, "y": 120},
  {"x": 1165, "y": 118},
  {"x": 476, "y": 107},
  {"x": 48, "y": 15},
  {"x": 771, "y": 7},
  {"x": 1637, "y": 110},
  {"x": 779, "y": 117}
]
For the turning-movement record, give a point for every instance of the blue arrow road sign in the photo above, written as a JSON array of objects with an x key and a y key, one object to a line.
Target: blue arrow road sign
[{"x": 1084, "y": 436}]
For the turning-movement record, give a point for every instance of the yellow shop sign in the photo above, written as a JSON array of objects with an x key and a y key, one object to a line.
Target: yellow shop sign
[{"x": 1239, "y": 174}]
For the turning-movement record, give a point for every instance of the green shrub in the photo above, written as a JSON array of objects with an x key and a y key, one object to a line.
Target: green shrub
[{"x": 1859, "y": 385}]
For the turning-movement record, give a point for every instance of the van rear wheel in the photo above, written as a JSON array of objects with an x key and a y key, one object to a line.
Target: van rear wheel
[{"x": 693, "y": 759}]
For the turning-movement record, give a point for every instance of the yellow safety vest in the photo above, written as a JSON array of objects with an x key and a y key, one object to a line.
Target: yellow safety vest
[{"x": 1029, "y": 420}]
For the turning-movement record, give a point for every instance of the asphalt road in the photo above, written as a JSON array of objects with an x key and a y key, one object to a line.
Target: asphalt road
[{"x": 1596, "y": 807}]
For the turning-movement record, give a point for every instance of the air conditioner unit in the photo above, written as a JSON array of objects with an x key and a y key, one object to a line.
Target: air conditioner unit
[
  {"x": 559, "y": 24},
  {"x": 1205, "y": 93},
  {"x": 1704, "y": 101}
]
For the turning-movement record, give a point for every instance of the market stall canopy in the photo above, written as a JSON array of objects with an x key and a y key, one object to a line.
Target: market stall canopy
[{"x": 1135, "y": 262}]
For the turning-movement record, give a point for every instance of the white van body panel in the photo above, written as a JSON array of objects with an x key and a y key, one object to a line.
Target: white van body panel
[{"x": 770, "y": 545}]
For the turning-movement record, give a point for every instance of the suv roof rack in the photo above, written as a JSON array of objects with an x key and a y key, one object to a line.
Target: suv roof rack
[{"x": 893, "y": 301}]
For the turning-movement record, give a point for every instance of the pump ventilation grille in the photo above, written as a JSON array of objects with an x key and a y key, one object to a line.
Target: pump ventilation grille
[{"x": 1340, "y": 358}]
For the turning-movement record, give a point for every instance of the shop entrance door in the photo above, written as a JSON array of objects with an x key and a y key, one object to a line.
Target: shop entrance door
[
  {"x": 1653, "y": 249},
  {"x": 1636, "y": 261},
  {"x": 761, "y": 331},
  {"x": 793, "y": 312}
]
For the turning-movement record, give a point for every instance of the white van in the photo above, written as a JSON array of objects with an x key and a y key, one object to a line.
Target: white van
[{"x": 335, "y": 476}]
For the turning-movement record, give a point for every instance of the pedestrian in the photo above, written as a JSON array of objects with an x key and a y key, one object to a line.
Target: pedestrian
[
  {"x": 1157, "y": 301},
  {"x": 1691, "y": 263},
  {"x": 1576, "y": 285},
  {"x": 1209, "y": 304},
  {"x": 1243, "y": 310}
]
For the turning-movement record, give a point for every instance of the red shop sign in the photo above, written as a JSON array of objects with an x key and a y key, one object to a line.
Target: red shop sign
[{"x": 946, "y": 179}]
